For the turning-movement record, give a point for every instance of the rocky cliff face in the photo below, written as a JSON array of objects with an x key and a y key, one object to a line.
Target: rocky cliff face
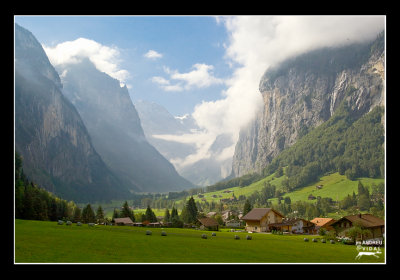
[
  {"x": 303, "y": 92},
  {"x": 49, "y": 133},
  {"x": 115, "y": 129}
]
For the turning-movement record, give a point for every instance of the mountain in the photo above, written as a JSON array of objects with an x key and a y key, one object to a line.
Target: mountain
[
  {"x": 304, "y": 92},
  {"x": 50, "y": 135},
  {"x": 115, "y": 129},
  {"x": 156, "y": 121}
]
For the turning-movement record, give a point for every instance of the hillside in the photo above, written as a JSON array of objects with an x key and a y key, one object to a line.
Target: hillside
[
  {"x": 57, "y": 150},
  {"x": 116, "y": 131},
  {"x": 304, "y": 92}
]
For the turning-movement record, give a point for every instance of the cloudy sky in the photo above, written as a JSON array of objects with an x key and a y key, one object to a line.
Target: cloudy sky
[{"x": 209, "y": 67}]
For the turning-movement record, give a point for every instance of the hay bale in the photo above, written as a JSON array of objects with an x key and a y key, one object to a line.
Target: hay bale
[
  {"x": 204, "y": 236},
  {"x": 213, "y": 234},
  {"x": 148, "y": 232},
  {"x": 236, "y": 237},
  {"x": 248, "y": 237},
  {"x": 305, "y": 239},
  {"x": 163, "y": 233}
]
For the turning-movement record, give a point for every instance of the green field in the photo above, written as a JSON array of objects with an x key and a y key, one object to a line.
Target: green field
[
  {"x": 48, "y": 242},
  {"x": 335, "y": 186}
]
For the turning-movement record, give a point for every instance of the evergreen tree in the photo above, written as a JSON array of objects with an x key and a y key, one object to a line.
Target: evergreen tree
[
  {"x": 88, "y": 215},
  {"x": 77, "y": 215},
  {"x": 127, "y": 212},
  {"x": 247, "y": 207},
  {"x": 149, "y": 215},
  {"x": 115, "y": 214},
  {"x": 190, "y": 212},
  {"x": 167, "y": 217},
  {"x": 100, "y": 215}
]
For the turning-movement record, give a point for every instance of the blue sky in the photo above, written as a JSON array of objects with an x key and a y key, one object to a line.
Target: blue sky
[
  {"x": 183, "y": 41},
  {"x": 209, "y": 67}
]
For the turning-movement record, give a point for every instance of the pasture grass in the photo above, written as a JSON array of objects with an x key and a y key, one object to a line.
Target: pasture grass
[{"x": 47, "y": 242}]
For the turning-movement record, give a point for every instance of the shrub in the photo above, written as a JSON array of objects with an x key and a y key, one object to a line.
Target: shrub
[
  {"x": 163, "y": 233},
  {"x": 332, "y": 241},
  {"x": 314, "y": 240},
  {"x": 204, "y": 236},
  {"x": 78, "y": 223},
  {"x": 236, "y": 237},
  {"x": 60, "y": 222},
  {"x": 68, "y": 223},
  {"x": 213, "y": 234},
  {"x": 305, "y": 239},
  {"x": 248, "y": 237},
  {"x": 323, "y": 241},
  {"x": 148, "y": 232}
]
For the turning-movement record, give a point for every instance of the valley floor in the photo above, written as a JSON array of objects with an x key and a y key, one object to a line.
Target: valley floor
[{"x": 48, "y": 242}]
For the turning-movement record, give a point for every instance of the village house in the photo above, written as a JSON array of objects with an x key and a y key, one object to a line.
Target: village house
[
  {"x": 208, "y": 224},
  {"x": 259, "y": 219},
  {"x": 325, "y": 223},
  {"x": 123, "y": 221},
  {"x": 367, "y": 221},
  {"x": 294, "y": 225}
]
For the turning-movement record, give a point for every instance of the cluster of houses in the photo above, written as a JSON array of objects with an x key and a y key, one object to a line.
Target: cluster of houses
[{"x": 268, "y": 220}]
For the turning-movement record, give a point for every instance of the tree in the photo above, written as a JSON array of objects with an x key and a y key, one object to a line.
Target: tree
[
  {"x": 115, "y": 214},
  {"x": 127, "y": 212},
  {"x": 77, "y": 215},
  {"x": 247, "y": 207},
  {"x": 88, "y": 215},
  {"x": 356, "y": 231},
  {"x": 167, "y": 216},
  {"x": 100, "y": 215},
  {"x": 149, "y": 215},
  {"x": 190, "y": 212}
]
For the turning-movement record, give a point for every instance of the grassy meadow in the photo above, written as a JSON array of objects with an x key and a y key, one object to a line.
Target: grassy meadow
[
  {"x": 48, "y": 242},
  {"x": 335, "y": 186}
]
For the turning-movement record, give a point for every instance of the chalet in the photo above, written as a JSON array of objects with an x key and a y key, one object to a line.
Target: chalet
[
  {"x": 208, "y": 223},
  {"x": 259, "y": 219},
  {"x": 294, "y": 225},
  {"x": 323, "y": 223},
  {"x": 123, "y": 221},
  {"x": 367, "y": 221}
]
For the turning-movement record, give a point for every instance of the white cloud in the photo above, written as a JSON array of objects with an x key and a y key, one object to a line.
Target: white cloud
[
  {"x": 152, "y": 54},
  {"x": 201, "y": 76},
  {"x": 256, "y": 43},
  {"x": 106, "y": 59}
]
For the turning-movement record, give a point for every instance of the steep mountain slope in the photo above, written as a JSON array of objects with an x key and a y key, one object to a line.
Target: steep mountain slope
[
  {"x": 156, "y": 121},
  {"x": 304, "y": 92},
  {"x": 115, "y": 129},
  {"x": 49, "y": 133}
]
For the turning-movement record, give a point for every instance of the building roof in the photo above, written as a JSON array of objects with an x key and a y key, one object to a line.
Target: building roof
[
  {"x": 257, "y": 214},
  {"x": 126, "y": 220},
  {"x": 322, "y": 221},
  {"x": 365, "y": 220},
  {"x": 210, "y": 214},
  {"x": 208, "y": 222}
]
